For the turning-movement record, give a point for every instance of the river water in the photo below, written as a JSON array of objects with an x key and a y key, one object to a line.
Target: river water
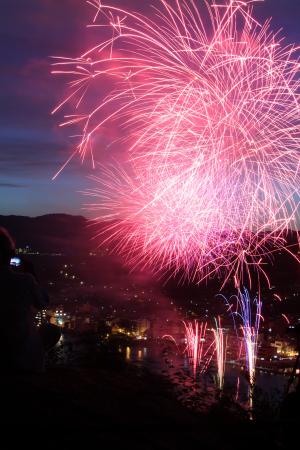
[{"x": 200, "y": 390}]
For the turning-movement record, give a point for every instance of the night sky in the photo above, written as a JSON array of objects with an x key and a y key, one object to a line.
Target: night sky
[{"x": 33, "y": 147}]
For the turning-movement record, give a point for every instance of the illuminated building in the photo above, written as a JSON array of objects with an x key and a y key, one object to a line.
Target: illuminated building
[
  {"x": 59, "y": 318},
  {"x": 41, "y": 317}
]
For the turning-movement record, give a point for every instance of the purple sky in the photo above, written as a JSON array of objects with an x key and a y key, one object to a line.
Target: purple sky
[{"x": 32, "y": 146}]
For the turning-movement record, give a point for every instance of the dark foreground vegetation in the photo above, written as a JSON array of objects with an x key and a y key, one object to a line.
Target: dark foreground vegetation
[{"x": 100, "y": 401}]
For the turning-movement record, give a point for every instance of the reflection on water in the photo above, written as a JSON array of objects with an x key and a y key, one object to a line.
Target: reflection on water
[
  {"x": 202, "y": 390},
  {"x": 133, "y": 354}
]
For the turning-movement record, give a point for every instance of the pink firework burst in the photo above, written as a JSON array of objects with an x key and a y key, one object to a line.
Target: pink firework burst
[{"x": 208, "y": 99}]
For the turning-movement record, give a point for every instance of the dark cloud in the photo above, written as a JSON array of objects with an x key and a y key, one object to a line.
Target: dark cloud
[{"x": 12, "y": 185}]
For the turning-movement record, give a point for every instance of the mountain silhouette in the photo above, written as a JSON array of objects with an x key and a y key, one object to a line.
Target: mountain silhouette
[{"x": 51, "y": 232}]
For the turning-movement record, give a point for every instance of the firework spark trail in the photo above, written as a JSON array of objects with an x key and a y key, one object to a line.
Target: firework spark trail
[
  {"x": 237, "y": 389},
  {"x": 220, "y": 347},
  {"x": 277, "y": 297},
  {"x": 250, "y": 328},
  {"x": 249, "y": 312},
  {"x": 210, "y": 107},
  {"x": 239, "y": 356},
  {"x": 286, "y": 318},
  {"x": 195, "y": 337}
]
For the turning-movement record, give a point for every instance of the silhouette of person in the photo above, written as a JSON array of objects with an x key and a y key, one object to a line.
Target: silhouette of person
[{"x": 20, "y": 296}]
